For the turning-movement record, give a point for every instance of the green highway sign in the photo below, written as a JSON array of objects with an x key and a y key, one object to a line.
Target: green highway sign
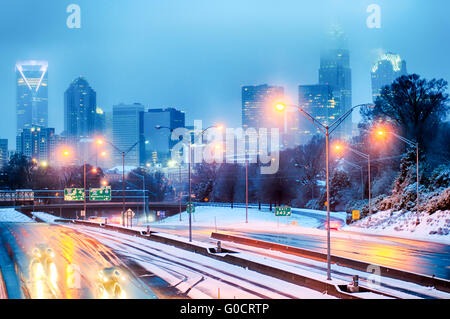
[
  {"x": 74, "y": 194},
  {"x": 283, "y": 211},
  {"x": 190, "y": 208},
  {"x": 102, "y": 193}
]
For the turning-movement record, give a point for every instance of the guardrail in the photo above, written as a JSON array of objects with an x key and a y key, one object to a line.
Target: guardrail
[
  {"x": 428, "y": 281},
  {"x": 235, "y": 258}
]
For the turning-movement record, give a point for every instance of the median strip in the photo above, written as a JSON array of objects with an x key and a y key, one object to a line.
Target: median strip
[
  {"x": 306, "y": 279},
  {"x": 427, "y": 281}
]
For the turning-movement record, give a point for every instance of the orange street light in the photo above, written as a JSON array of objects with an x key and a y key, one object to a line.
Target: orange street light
[
  {"x": 94, "y": 170},
  {"x": 280, "y": 107},
  {"x": 103, "y": 154}
]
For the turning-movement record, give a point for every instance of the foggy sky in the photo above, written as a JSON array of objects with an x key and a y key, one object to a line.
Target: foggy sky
[{"x": 196, "y": 54}]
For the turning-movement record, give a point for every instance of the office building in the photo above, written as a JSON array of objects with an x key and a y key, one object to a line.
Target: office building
[
  {"x": 80, "y": 110},
  {"x": 127, "y": 134},
  {"x": 4, "y": 154},
  {"x": 31, "y": 94},
  {"x": 385, "y": 71},
  {"x": 335, "y": 72},
  {"x": 318, "y": 101},
  {"x": 258, "y": 105},
  {"x": 36, "y": 143}
]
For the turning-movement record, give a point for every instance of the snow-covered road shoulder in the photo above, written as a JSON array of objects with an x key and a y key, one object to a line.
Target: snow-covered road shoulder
[{"x": 10, "y": 215}]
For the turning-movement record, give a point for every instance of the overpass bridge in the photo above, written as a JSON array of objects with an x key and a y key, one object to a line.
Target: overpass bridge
[{"x": 102, "y": 209}]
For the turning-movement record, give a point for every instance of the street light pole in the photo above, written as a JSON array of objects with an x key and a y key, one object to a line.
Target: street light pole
[
  {"x": 123, "y": 190},
  {"x": 124, "y": 153},
  {"x": 246, "y": 189},
  {"x": 158, "y": 127},
  {"x": 327, "y": 130},
  {"x": 416, "y": 145},
  {"x": 190, "y": 194},
  {"x": 367, "y": 157},
  {"x": 327, "y": 134},
  {"x": 84, "y": 188}
]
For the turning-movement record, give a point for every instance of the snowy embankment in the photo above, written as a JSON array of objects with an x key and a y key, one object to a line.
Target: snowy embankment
[
  {"x": 301, "y": 220},
  {"x": 10, "y": 215},
  {"x": 433, "y": 228},
  {"x": 406, "y": 224},
  {"x": 48, "y": 218}
]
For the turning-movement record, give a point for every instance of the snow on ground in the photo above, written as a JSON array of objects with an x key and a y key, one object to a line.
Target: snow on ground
[
  {"x": 48, "y": 218},
  {"x": 435, "y": 227},
  {"x": 10, "y": 215},
  {"x": 225, "y": 217},
  {"x": 199, "y": 275}
]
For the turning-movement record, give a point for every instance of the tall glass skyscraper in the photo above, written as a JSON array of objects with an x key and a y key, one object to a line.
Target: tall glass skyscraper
[
  {"x": 31, "y": 94},
  {"x": 3, "y": 153},
  {"x": 389, "y": 67},
  {"x": 258, "y": 103},
  {"x": 126, "y": 132},
  {"x": 318, "y": 101},
  {"x": 335, "y": 72},
  {"x": 80, "y": 110}
]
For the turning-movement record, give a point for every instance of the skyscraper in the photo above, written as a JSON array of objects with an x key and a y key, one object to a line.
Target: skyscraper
[
  {"x": 335, "y": 72},
  {"x": 80, "y": 109},
  {"x": 318, "y": 101},
  {"x": 257, "y": 105},
  {"x": 31, "y": 94},
  {"x": 158, "y": 144},
  {"x": 126, "y": 132},
  {"x": 4, "y": 155},
  {"x": 36, "y": 142},
  {"x": 389, "y": 67}
]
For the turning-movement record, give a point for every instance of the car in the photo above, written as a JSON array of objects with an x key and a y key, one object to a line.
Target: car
[
  {"x": 335, "y": 225},
  {"x": 42, "y": 268},
  {"x": 109, "y": 283}
]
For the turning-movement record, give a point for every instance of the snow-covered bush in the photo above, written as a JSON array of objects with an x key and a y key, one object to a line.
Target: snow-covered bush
[{"x": 440, "y": 178}]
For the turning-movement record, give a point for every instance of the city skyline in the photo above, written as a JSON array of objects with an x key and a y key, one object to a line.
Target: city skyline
[{"x": 119, "y": 72}]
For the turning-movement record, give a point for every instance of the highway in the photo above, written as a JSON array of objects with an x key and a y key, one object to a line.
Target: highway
[
  {"x": 52, "y": 261},
  {"x": 410, "y": 255},
  {"x": 150, "y": 270}
]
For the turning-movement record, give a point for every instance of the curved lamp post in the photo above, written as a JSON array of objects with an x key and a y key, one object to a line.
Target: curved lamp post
[
  {"x": 158, "y": 127},
  {"x": 327, "y": 130}
]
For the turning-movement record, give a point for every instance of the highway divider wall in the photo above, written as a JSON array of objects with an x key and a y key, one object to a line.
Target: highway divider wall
[
  {"x": 232, "y": 257},
  {"x": 427, "y": 281}
]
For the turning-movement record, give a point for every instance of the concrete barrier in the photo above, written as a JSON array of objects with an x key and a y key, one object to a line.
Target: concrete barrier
[
  {"x": 233, "y": 257},
  {"x": 424, "y": 280}
]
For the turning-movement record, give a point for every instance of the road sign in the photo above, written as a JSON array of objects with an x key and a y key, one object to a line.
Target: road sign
[
  {"x": 74, "y": 194},
  {"x": 283, "y": 211},
  {"x": 83, "y": 213},
  {"x": 355, "y": 214},
  {"x": 190, "y": 208},
  {"x": 102, "y": 193}
]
